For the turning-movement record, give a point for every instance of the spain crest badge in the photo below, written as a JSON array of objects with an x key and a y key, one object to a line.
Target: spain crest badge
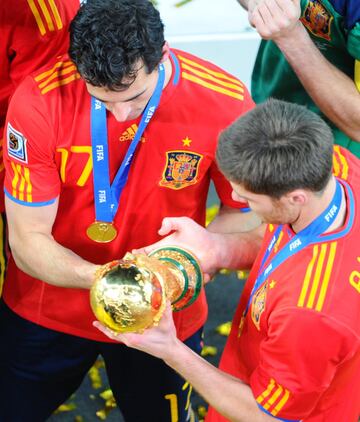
[
  {"x": 317, "y": 19},
  {"x": 181, "y": 169},
  {"x": 258, "y": 304}
]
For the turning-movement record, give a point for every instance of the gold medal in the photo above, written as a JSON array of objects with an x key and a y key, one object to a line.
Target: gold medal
[{"x": 101, "y": 232}]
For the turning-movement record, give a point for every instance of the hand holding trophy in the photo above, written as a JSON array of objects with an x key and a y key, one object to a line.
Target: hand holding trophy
[{"x": 129, "y": 295}]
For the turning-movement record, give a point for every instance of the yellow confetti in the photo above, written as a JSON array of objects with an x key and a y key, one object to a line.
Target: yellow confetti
[
  {"x": 225, "y": 271},
  {"x": 242, "y": 274},
  {"x": 209, "y": 351},
  {"x": 211, "y": 213},
  {"x": 66, "y": 407},
  {"x": 224, "y": 329},
  {"x": 107, "y": 394},
  {"x": 201, "y": 410},
  {"x": 101, "y": 414},
  {"x": 78, "y": 418},
  {"x": 95, "y": 377}
]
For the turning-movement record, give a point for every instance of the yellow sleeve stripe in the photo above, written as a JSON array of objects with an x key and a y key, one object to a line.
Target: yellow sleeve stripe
[
  {"x": 21, "y": 183},
  {"x": 212, "y": 78},
  {"x": 49, "y": 72},
  {"x": 56, "y": 14},
  {"x": 274, "y": 397},
  {"x": 209, "y": 71},
  {"x": 61, "y": 72},
  {"x": 357, "y": 74},
  {"x": 37, "y": 17},
  {"x": 51, "y": 19},
  {"x": 317, "y": 277},
  {"x": 60, "y": 82},
  {"x": 208, "y": 85},
  {"x": 340, "y": 164}
]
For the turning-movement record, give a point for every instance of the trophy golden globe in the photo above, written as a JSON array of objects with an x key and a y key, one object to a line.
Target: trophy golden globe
[{"x": 129, "y": 295}]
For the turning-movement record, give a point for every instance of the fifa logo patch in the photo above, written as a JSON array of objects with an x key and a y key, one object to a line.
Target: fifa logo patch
[
  {"x": 16, "y": 144},
  {"x": 317, "y": 19},
  {"x": 181, "y": 169},
  {"x": 258, "y": 304}
]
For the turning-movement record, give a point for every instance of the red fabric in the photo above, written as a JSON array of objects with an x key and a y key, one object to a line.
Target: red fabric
[
  {"x": 299, "y": 349},
  {"x": 29, "y": 39},
  {"x": 56, "y": 129}
]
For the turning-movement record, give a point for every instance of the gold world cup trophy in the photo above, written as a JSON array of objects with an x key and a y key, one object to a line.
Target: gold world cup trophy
[{"x": 129, "y": 295}]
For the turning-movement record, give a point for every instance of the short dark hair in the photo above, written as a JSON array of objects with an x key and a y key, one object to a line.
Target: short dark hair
[
  {"x": 275, "y": 148},
  {"x": 111, "y": 39}
]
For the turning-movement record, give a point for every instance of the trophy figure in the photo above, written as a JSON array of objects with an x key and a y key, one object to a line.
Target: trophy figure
[{"x": 129, "y": 295}]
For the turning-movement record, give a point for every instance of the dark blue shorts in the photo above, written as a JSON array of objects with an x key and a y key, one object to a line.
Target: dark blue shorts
[{"x": 41, "y": 368}]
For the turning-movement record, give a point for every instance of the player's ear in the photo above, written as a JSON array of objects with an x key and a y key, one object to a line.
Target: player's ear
[
  {"x": 298, "y": 197},
  {"x": 165, "y": 52}
]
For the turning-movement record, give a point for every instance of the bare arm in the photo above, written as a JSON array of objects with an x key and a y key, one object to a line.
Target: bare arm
[
  {"x": 230, "y": 220},
  {"x": 334, "y": 92},
  {"x": 236, "y": 401},
  {"x": 37, "y": 253}
]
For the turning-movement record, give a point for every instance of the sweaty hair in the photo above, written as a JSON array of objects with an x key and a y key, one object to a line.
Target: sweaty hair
[
  {"x": 110, "y": 40},
  {"x": 275, "y": 148}
]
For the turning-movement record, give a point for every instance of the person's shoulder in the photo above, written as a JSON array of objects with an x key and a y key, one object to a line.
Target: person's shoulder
[
  {"x": 58, "y": 82},
  {"x": 56, "y": 75},
  {"x": 212, "y": 83},
  {"x": 346, "y": 166},
  {"x": 17, "y": 12},
  {"x": 199, "y": 62}
]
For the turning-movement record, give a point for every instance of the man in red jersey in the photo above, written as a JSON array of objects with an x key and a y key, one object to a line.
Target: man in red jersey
[
  {"x": 33, "y": 33},
  {"x": 100, "y": 147},
  {"x": 294, "y": 349}
]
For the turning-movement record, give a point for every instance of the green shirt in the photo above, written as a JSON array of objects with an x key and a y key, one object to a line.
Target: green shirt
[{"x": 334, "y": 26}]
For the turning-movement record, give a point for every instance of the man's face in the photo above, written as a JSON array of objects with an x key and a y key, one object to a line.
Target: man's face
[
  {"x": 275, "y": 211},
  {"x": 131, "y": 102}
]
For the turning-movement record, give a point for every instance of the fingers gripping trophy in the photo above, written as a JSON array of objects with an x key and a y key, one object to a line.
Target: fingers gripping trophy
[{"x": 129, "y": 295}]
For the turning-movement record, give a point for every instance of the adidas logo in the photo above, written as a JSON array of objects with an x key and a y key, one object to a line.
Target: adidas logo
[{"x": 129, "y": 134}]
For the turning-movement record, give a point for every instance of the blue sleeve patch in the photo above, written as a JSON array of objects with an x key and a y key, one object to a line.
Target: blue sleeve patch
[
  {"x": 29, "y": 204},
  {"x": 275, "y": 418}
]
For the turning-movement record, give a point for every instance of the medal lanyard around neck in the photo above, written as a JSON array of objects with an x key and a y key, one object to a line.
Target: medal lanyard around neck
[
  {"x": 106, "y": 196},
  {"x": 308, "y": 235}
]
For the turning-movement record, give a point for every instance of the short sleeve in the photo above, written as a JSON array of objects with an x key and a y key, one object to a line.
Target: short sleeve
[
  {"x": 31, "y": 174},
  {"x": 298, "y": 361}
]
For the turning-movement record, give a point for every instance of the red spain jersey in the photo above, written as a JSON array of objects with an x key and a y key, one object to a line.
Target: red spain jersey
[
  {"x": 299, "y": 345},
  {"x": 48, "y": 155},
  {"x": 33, "y": 32}
]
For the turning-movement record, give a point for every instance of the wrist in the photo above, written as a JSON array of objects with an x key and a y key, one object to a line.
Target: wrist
[
  {"x": 177, "y": 354},
  {"x": 293, "y": 38}
]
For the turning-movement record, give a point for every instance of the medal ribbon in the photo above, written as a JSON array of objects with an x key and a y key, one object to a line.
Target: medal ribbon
[
  {"x": 310, "y": 234},
  {"x": 106, "y": 196}
]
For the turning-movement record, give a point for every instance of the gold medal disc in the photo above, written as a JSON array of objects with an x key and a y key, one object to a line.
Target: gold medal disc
[{"x": 101, "y": 232}]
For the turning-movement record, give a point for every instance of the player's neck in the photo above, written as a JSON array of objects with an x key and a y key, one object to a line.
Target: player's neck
[
  {"x": 168, "y": 71},
  {"x": 317, "y": 205}
]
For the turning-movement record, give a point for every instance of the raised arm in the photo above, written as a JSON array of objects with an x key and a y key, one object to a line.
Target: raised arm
[
  {"x": 37, "y": 253},
  {"x": 334, "y": 92}
]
